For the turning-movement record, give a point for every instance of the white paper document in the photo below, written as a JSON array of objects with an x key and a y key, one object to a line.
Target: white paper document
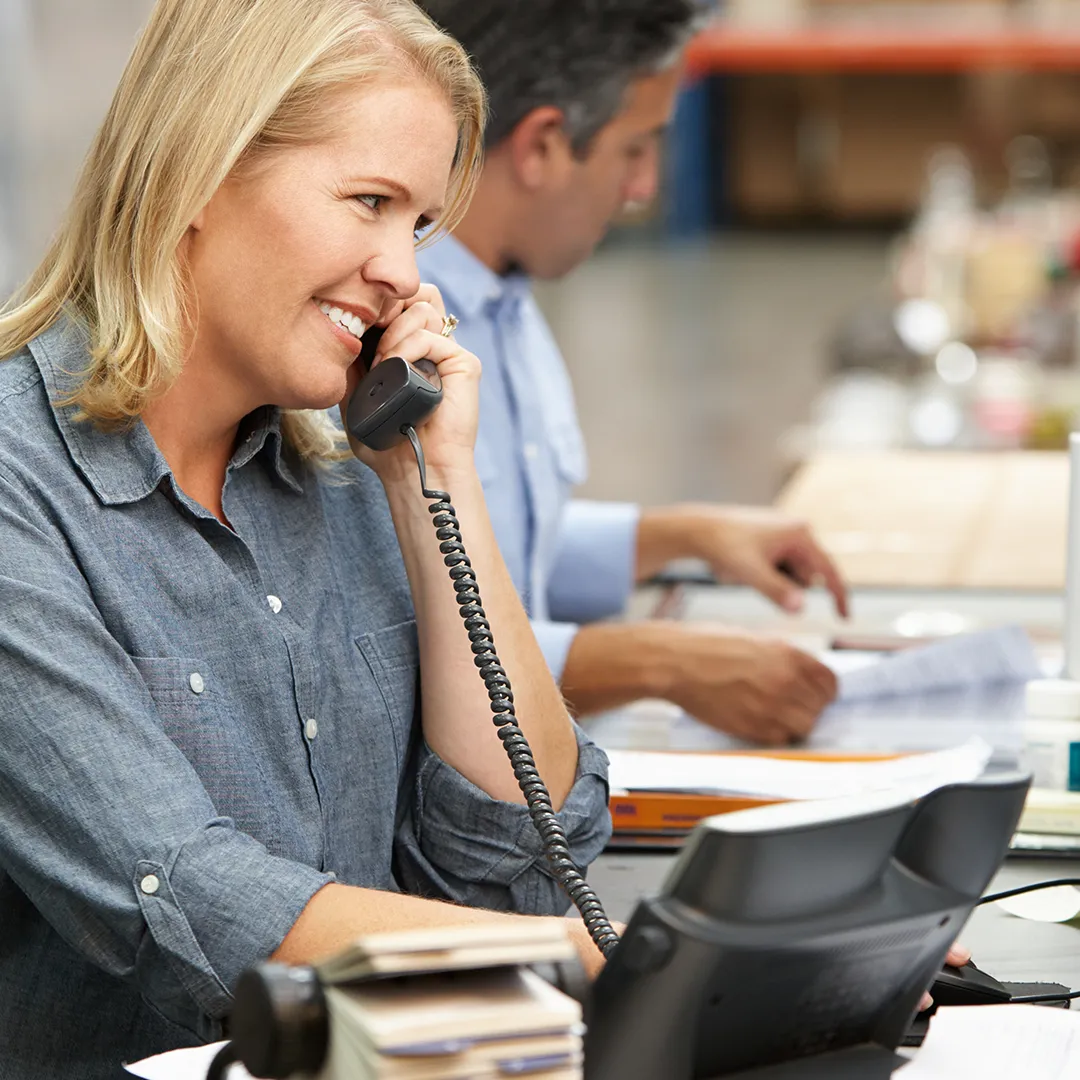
[
  {"x": 184, "y": 1065},
  {"x": 784, "y": 778},
  {"x": 998, "y": 1042},
  {"x": 966, "y": 661}
]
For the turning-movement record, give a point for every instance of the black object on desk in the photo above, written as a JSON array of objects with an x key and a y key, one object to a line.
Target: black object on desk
[
  {"x": 968, "y": 985},
  {"x": 797, "y": 930}
]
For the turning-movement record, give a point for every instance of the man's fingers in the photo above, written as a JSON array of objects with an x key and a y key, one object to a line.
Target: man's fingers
[
  {"x": 809, "y": 564},
  {"x": 778, "y": 587},
  {"x": 958, "y": 955}
]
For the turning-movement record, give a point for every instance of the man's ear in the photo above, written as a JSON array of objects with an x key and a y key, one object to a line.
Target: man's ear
[{"x": 539, "y": 149}]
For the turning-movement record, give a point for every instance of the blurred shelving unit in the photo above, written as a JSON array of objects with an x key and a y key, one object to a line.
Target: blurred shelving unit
[
  {"x": 827, "y": 111},
  {"x": 727, "y": 50}
]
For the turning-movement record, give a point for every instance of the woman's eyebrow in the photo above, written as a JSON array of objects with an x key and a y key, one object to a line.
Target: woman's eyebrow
[
  {"x": 385, "y": 181},
  {"x": 399, "y": 188}
]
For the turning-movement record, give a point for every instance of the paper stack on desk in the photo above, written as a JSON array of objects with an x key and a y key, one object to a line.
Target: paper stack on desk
[
  {"x": 443, "y": 1005},
  {"x": 464, "y": 1024},
  {"x": 780, "y": 778}
]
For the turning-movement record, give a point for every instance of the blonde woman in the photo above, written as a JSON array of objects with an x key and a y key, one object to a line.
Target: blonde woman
[{"x": 241, "y": 717}]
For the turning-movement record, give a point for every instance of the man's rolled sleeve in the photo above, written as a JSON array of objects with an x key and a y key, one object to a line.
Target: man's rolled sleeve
[
  {"x": 555, "y": 639},
  {"x": 460, "y": 844},
  {"x": 592, "y": 576}
]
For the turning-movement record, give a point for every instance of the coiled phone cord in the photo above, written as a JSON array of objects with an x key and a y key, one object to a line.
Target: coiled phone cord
[{"x": 556, "y": 847}]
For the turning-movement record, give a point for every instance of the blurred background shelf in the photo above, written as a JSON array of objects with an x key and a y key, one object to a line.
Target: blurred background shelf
[{"x": 725, "y": 50}]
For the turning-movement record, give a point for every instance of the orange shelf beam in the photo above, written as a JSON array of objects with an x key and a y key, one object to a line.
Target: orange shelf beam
[{"x": 723, "y": 50}]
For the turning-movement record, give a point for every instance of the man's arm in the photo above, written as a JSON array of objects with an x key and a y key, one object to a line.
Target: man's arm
[
  {"x": 755, "y": 688},
  {"x": 760, "y": 547}
]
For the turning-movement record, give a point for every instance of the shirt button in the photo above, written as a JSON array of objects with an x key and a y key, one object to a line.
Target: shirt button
[
  {"x": 532, "y": 451},
  {"x": 197, "y": 683},
  {"x": 150, "y": 884},
  {"x": 275, "y": 604},
  {"x": 311, "y": 728}
]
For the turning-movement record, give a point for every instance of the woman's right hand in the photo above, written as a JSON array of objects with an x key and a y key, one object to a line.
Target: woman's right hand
[{"x": 414, "y": 332}]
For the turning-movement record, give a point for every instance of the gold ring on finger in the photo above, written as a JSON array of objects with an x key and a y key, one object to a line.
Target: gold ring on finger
[{"x": 449, "y": 325}]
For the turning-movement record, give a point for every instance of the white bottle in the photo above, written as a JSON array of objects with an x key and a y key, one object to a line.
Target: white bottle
[{"x": 1051, "y": 730}]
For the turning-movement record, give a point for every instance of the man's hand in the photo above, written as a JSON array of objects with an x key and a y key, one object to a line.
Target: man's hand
[
  {"x": 756, "y": 688},
  {"x": 957, "y": 956},
  {"x": 759, "y": 547}
]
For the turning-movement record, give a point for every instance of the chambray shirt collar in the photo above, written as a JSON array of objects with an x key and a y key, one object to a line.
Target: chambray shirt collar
[
  {"x": 126, "y": 466},
  {"x": 468, "y": 285}
]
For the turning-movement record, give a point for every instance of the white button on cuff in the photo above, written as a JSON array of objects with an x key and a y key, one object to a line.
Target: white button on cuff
[
  {"x": 275, "y": 604},
  {"x": 150, "y": 884},
  {"x": 532, "y": 451},
  {"x": 311, "y": 728},
  {"x": 197, "y": 683}
]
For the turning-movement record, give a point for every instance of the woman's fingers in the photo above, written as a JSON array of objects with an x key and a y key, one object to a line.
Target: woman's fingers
[
  {"x": 445, "y": 353},
  {"x": 426, "y": 294},
  {"x": 419, "y": 316}
]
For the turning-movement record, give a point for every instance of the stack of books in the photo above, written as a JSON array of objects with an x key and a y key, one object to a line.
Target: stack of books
[{"x": 444, "y": 1005}]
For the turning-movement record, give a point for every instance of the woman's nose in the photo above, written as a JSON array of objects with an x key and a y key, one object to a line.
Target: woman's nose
[{"x": 395, "y": 270}]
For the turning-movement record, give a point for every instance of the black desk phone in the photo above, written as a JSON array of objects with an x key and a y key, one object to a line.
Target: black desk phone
[{"x": 792, "y": 941}]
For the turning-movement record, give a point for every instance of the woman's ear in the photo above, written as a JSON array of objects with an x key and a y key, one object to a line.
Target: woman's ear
[
  {"x": 198, "y": 222},
  {"x": 540, "y": 152}
]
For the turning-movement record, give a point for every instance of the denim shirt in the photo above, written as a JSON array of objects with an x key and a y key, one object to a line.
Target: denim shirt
[
  {"x": 572, "y": 560},
  {"x": 204, "y": 725}
]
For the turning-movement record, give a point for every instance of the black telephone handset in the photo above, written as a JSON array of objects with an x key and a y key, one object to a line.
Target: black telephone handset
[{"x": 392, "y": 397}]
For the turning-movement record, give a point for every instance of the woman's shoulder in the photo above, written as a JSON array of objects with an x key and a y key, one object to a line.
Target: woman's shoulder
[{"x": 24, "y": 400}]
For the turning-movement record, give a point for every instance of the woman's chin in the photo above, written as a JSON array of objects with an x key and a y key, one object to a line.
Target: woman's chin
[{"x": 326, "y": 395}]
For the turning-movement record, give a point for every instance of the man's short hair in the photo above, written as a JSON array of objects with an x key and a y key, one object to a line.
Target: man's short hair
[{"x": 578, "y": 55}]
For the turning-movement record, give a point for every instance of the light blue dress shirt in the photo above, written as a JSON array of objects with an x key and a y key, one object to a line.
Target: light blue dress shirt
[
  {"x": 203, "y": 725},
  {"x": 572, "y": 560}
]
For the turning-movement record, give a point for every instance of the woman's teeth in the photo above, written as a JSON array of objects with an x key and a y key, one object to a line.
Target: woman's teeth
[{"x": 350, "y": 323}]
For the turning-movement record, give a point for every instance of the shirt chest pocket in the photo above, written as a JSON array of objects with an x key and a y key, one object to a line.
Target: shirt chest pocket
[
  {"x": 391, "y": 658},
  {"x": 196, "y": 715}
]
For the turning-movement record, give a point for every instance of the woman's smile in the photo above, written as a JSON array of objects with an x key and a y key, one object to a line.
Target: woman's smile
[{"x": 346, "y": 324}]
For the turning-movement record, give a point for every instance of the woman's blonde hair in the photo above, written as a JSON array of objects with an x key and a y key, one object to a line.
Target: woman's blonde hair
[{"x": 211, "y": 85}]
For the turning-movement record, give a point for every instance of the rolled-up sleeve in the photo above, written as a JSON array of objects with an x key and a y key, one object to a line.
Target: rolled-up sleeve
[
  {"x": 457, "y": 843},
  {"x": 592, "y": 574},
  {"x": 555, "y": 639},
  {"x": 104, "y": 824}
]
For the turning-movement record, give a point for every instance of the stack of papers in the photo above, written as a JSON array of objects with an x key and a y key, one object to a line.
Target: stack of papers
[
  {"x": 482, "y": 1024},
  {"x": 414, "y": 952},
  {"x": 782, "y": 778},
  {"x": 438, "y": 1005},
  {"x": 998, "y": 1042},
  {"x": 964, "y": 662}
]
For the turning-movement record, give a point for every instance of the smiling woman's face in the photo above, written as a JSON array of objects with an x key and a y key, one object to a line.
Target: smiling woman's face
[{"x": 292, "y": 259}]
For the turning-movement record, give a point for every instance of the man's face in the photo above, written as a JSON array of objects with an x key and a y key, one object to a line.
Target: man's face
[{"x": 571, "y": 215}]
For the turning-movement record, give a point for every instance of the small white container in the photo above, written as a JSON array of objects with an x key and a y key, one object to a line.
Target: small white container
[{"x": 1052, "y": 733}]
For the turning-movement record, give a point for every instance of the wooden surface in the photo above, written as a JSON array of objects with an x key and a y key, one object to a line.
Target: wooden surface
[
  {"x": 723, "y": 49},
  {"x": 939, "y": 520}
]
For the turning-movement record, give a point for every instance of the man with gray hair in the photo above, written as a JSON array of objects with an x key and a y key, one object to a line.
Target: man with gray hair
[{"x": 581, "y": 91}]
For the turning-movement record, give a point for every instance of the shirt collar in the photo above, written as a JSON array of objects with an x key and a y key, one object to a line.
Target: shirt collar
[
  {"x": 124, "y": 465},
  {"x": 467, "y": 284}
]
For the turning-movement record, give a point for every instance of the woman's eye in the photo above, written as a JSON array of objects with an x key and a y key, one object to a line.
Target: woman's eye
[{"x": 374, "y": 201}]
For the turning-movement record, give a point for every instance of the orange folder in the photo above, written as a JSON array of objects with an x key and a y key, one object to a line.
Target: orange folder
[{"x": 668, "y": 813}]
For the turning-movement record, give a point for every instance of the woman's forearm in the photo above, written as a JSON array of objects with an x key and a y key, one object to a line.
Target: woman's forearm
[
  {"x": 338, "y": 914},
  {"x": 457, "y": 716}
]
